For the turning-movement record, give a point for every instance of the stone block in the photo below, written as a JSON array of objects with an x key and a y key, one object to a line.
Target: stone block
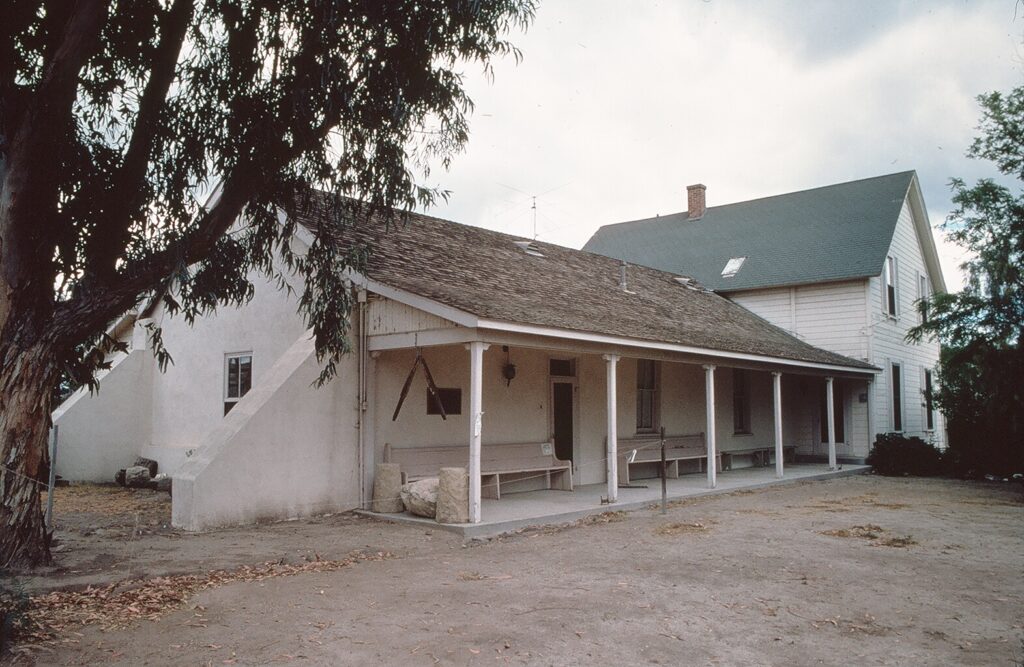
[
  {"x": 453, "y": 496},
  {"x": 387, "y": 489}
]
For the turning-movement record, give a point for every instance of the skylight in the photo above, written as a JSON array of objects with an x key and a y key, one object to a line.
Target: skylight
[{"x": 732, "y": 267}]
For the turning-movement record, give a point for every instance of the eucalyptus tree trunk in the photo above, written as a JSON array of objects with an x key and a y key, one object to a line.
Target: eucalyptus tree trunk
[{"x": 26, "y": 385}]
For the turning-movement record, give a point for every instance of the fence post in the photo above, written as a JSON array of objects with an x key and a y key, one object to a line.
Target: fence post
[{"x": 664, "y": 490}]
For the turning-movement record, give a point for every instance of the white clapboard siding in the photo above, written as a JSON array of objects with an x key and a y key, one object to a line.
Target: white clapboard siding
[
  {"x": 889, "y": 343},
  {"x": 829, "y": 315},
  {"x": 388, "y": 317},
  {"x": 773, "y": 304},
  {"x": 847, "y": 317}
]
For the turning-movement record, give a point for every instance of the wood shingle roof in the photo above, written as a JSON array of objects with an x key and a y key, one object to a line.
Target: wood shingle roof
[{"x": 489, "y": 274}]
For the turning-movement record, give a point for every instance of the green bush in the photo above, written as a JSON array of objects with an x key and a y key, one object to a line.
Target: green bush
[{"x": 895, "y": 454}]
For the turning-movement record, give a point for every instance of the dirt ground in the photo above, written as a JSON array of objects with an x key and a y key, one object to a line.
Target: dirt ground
[{"x": 861, "y": 570}]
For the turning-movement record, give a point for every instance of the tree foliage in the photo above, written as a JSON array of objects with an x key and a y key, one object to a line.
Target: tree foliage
[
  {"x": 981, "y": 327},
  {"x": 119, "y": 117}
]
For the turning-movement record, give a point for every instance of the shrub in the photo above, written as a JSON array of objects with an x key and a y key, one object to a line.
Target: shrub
[{"x": 896, "y": 454}]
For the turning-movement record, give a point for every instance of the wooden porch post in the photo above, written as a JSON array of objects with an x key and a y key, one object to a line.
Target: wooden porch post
[
  {"x": 830, "y": 409},
  {"x": 611, "y": 362},
  {"x": 779, "y": 453},
  {"x": 709, "y": 388},
  {"x": 476, "y": 363}
]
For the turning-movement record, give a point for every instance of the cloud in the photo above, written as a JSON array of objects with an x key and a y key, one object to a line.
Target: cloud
[{"x": 616, "y": 108}]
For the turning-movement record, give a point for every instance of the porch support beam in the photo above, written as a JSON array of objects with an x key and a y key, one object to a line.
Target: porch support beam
[
  {"x": 612, "y": 455},
  {"x": 709, "y": 393},
  {"x": 476, "y": 364},
  {"x": 779, "y": 453},
  {"x": 830, "y": 410}
]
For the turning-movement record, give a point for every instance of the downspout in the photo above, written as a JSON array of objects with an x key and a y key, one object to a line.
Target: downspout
[{"x": 361, "y": 412}]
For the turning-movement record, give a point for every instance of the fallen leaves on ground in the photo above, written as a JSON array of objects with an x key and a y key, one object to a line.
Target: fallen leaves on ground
[{"x": 121, "y": 604}]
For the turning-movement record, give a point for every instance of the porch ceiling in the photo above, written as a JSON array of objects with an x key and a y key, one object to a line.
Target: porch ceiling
[{"x": 578, "y": 343}]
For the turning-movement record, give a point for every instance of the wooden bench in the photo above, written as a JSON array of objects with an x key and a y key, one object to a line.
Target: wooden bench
[
  {"x": 761, "y": 456},
  {"x": 646, "y": 449},
  {"x": 499, "y": 465}
]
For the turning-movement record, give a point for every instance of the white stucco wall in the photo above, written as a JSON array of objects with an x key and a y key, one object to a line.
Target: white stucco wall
[
  {"x": 102, "y": 432},
  {"x": 286, "y": 450},
  {"x": 188, "y": 398}
]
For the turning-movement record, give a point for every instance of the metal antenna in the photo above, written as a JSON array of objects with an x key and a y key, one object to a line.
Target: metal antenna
[
  {"x": 534, "y": 207},
  {"x": 533, "y": 198}
]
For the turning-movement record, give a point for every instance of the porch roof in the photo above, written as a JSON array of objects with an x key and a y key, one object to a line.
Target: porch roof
[{"x": 489, "y": 275}]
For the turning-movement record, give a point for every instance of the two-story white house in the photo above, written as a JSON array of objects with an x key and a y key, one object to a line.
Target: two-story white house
[{"x": 842, "y": 267}]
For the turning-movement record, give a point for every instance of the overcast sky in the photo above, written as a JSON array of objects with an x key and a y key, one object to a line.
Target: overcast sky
[{"x": 618, "y": 105}]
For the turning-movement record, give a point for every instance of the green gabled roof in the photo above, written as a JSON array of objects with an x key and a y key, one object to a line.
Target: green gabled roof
[{"x": 836, "y": 232}]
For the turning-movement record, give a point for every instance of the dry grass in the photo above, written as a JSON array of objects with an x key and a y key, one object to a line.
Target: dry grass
[
  {"x": 868, "y": 532},
  {"x": 108, "y": 500},
  {"x": 603, "y": 517},
  {"x": 875, "y": 534},
  {"x": 678, "y": 528},
  {"x": 897, "y": 542}
]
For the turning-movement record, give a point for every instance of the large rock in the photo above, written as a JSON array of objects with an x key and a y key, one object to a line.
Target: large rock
[
  {"x": 453, "y": 496},
  {"x": 387, "y": 489},
  {"x": 149, "y": 464},
  {"x": 420, "y": 497},
  {"x": 136, "y": 477}
]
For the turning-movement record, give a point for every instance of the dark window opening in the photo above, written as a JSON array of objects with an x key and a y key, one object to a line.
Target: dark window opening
[
  {"x": 562, "y": 367},
  {"x": 929, "y": 402},
  {"x": 897, "y": 398},
  {"x": 451, "y": 399},
  {"x": 740, "y": 401},
  {"x": 646, "y": 390}
]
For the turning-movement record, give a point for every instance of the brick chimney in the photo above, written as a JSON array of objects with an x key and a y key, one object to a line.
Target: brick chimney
[{"x": 695, "y": 203}]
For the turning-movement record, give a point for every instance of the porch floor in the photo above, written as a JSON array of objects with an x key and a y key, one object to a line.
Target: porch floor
[{"x": 540, "y": 508}]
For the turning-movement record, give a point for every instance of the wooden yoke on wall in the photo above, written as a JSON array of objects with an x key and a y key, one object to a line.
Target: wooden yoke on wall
[{"x": 431, "y": 386}]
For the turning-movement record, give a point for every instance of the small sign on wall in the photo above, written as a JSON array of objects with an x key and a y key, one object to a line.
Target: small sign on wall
[{"x": 545, "y": 448}]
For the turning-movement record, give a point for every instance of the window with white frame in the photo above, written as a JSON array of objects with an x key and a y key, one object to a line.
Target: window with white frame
[
  {"x": 890, "y": 285},
  {"x": 923, "y": 292},
  {"x": 896, "y": 386},
  {"x": 929, "y": 401},
  {"x": 646, "y": 395},
  {"x": 237, "y": 378}
]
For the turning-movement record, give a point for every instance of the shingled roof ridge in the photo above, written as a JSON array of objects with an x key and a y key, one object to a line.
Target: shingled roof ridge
[{"x": 710, "y": 209}]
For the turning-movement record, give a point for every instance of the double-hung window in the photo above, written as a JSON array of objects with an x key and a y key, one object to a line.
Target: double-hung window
[
  {"x": 896, "y": 382},
  {"x": 929, "y": 401},
  {"x": 890, "y": 287},
  {"x": 923, "y": 292},
  {"x": 237, "y": 378},
  {"x": 646, "y": 395}
]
